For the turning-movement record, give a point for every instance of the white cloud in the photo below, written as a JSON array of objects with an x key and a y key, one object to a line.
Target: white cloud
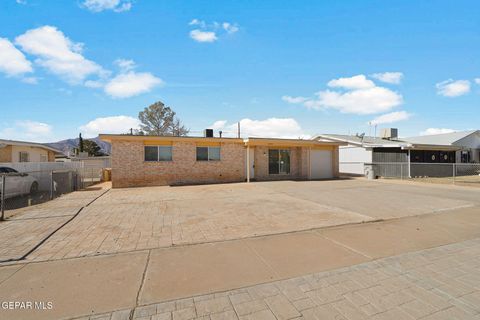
[
  {"x": 268, "y": 128},
  {"x": 230, "y": 28},
  {"x": 477, "y": 80},
  {"x": 431, "y": 131},
  {"x": 361, "y": 101},
  {"x": 27, "y": 130},
  {"x": 21, "y": 1},
  {"x": 389, "y": 77},
  {"x": 391, "y": 117},
  {"x": 125, "y": 64},
  {"x": 34, "y": 127},
  {"x": 114, "y": 124},
  {"x": 12, "y": 60},
  {"x": 203, "y": 36},
  {"x": 291, "y": 99},
  {"x": 359, "y": 96},
  {"x": 218, "y": 125},
  {"x": 452, "y": 88},
  {"x": 58, "y": 54},
  {"x": 62, "y": 57},
  {"x": 131, "y": 84},
  {"x": 101, "y": 5},
  {"x": 355, "y": 82},
  {"x": 210, "y": 32},
  {"x": 196, "y": 22}
]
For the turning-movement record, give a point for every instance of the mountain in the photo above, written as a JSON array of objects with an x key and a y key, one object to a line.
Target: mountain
[{"x": 67, "y": 146}]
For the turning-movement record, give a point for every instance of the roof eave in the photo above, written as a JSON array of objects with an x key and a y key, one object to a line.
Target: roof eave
[
  {"x": 30, "y": 144},
  {"x": 343, "y": 141},
  {"x": 125, "y": 137}
]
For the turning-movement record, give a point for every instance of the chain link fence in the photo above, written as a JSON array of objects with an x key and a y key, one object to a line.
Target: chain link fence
[
  {"x": 22, "y": 188},
  {"x": 446, "y": 173}
]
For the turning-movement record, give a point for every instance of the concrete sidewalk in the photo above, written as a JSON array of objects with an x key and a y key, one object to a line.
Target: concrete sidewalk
[
  {"x": 95, "y": 285},
  {"x": 439, "y": 283}
]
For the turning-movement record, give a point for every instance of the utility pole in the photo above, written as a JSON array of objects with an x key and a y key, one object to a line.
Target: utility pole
[{"x": 239, "y": 130}]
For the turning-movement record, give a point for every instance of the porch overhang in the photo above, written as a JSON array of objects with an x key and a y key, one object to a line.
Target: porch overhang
[
  {"x": 274, "y": 142},
  {"x": 431, "y": 147}
]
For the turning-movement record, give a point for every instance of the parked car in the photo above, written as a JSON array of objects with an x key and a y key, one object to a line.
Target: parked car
[{"x": 17, "y": 183}]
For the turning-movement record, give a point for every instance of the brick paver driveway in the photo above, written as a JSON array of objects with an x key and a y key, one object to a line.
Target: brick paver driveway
[
  {"x": 123, "y": 220},
  {"x": 26, "y": 227},
  {"x": 135, "y": 252}
]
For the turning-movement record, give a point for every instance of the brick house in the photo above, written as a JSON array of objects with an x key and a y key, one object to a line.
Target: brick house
[{"x": 165, "y": 160}]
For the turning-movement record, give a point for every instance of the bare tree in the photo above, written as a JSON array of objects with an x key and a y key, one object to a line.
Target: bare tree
[
  {"x": 160, "y": 120},
  {"x": 178, "y": 129}
]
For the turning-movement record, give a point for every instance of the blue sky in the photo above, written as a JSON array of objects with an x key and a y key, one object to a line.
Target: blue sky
[{"x": 282, "y": 68}]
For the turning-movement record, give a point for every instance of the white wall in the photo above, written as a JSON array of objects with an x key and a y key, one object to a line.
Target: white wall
[
  {"x": 34, "y": 154},
  {"x": 41, "y": 170},
  {"x": 471, "y": 142},
  {"x": 352, "y": 159}
]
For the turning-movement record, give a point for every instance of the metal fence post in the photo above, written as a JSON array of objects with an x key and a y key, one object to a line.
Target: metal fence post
[
  {"x": 454, "y": 172},
  {"x": 51, "y": 185},
  {"x": 2, "y": 199}
]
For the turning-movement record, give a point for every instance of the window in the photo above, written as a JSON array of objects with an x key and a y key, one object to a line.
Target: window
[
  {"x": 465, "y": 157},
  {"x": 208, "y": 153},
  {"x": 23, "y": 156},
  {"x": 164, "y": 153},
  {"x": 213, "y": 153},
  {"x": 278, "y": 161},
  {"x": 158, "y": 153}
]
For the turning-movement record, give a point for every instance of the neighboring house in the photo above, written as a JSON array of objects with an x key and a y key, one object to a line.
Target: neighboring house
[
  {"x": 165, "y": 160},
  {"x": 467, "y": 141},
  {"x": 22, "y": 151},
  {"x": 413, "y": 153}
]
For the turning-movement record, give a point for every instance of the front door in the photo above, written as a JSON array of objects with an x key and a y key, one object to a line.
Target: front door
[{"x": 279, "y": 161}]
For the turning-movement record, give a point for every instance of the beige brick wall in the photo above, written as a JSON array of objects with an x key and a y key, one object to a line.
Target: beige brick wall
[
  {"x": 130, "y": 169},
  {"x": 6, "y": 154}
]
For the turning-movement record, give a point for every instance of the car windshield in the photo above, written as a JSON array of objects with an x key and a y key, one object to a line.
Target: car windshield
[{"x": 7, "y": 170}]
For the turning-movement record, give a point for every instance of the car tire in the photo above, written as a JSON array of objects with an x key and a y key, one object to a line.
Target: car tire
[{"x": 34, "y": 187}]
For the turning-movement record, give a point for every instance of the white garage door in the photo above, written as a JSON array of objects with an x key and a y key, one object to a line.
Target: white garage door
[{"x": 321, "y": 164}]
